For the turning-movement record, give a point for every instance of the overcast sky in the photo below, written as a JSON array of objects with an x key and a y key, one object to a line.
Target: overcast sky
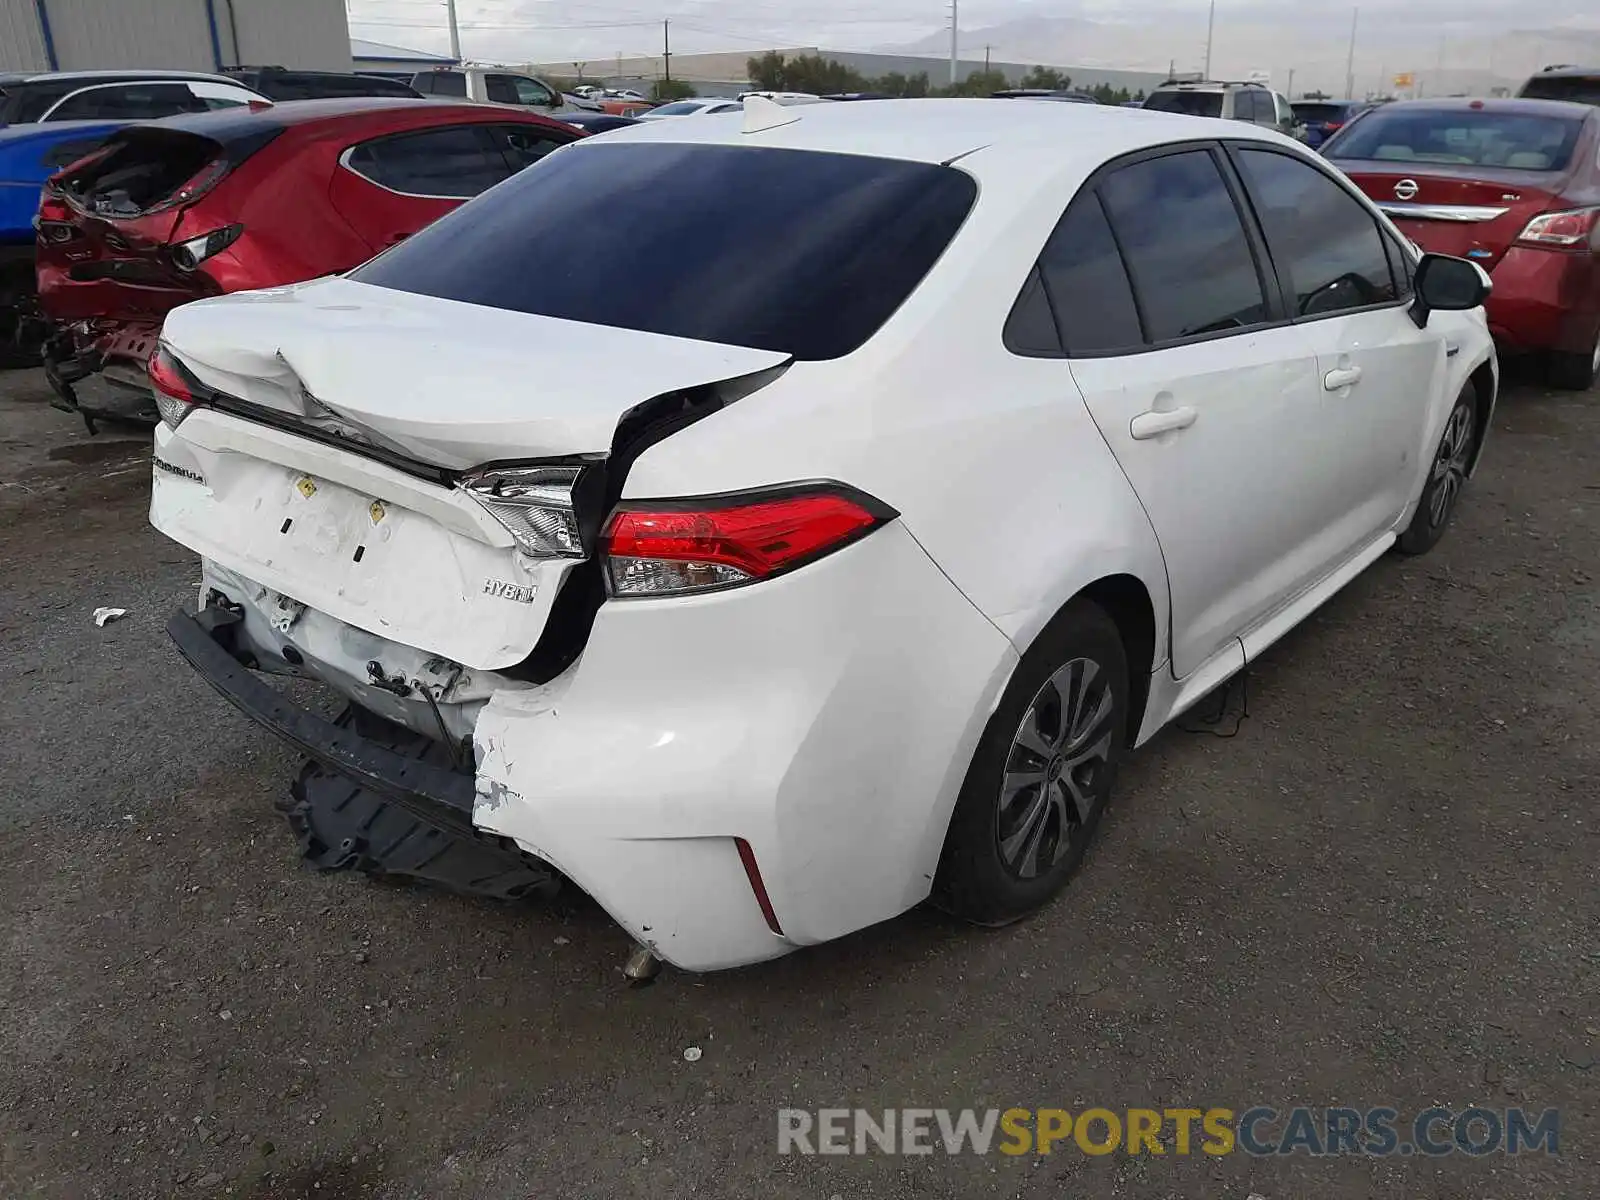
[{"x": 558, "y": 30}]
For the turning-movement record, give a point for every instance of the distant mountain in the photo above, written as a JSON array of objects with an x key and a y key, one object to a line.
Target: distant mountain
[{"x": 1313, "y": 46}]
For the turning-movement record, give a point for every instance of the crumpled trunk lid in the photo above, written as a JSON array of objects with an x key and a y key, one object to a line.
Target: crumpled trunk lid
[{"x": 328, "y": 468}]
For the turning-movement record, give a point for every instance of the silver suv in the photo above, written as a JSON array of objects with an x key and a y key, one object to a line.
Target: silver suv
[{"x": 1252, "y": 102}]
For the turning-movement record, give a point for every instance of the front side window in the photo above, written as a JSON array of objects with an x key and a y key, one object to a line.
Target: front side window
[
  {"x": 454, "y": 162},
  {"x": 799, "y": 251},
  {"x": 1467, "y": 137},
  {"x": 1185, "y": 246},
  {"x": 531, "y": 91},
  {"x": 1322, "y": 237}
]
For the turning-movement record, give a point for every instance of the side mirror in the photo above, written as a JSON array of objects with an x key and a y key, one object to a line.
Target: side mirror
[{"x": 1447, "y": 284}]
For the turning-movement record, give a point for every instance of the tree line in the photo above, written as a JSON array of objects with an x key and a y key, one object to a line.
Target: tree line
[{"x": 825, "y": 76}]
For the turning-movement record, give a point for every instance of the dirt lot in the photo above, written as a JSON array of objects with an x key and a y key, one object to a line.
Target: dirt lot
[{"x": 1382, "y": 891}]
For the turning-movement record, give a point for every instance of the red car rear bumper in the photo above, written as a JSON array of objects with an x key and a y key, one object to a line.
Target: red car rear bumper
[{"x": 1545, "y": 300}]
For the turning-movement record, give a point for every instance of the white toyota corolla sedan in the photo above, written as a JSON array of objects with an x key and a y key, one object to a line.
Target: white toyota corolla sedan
[{"x": 817, "y": 532}]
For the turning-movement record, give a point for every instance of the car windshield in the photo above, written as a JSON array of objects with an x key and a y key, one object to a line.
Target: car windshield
[
  {"x": 1469, "y": 137},
  {"x": 798, "y": 251},
  {"x": 1192, "y": 104},
  {"x": 1581, "y": 89},
  {"x": 679, "y": 108}
]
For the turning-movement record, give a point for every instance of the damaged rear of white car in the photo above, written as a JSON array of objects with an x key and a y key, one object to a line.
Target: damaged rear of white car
[{"x": 421, "y": 493}]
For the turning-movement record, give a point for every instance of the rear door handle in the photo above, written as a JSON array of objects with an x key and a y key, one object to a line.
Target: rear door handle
[
  {"x": 1341, "y": 377},
  {"x": 1151, "y": 424}
]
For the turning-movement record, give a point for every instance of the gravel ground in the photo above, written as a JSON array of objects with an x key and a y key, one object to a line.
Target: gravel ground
[{"x": 1382, "y": 891}]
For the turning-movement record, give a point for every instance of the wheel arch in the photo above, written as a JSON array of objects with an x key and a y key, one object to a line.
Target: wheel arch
[{"x": 1485, "y": 381}]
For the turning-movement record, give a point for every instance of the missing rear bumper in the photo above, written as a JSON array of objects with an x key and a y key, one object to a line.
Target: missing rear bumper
[{"x": 373, "y": 796}]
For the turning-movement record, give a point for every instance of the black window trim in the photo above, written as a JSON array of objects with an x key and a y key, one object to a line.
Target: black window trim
[
  {"x": 1273, "y": 295},
  {"x": 1401, "y": 283},
  {"x": 479, "y": 126}
]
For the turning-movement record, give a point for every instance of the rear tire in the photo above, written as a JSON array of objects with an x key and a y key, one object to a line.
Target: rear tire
[
  {"x": 1575, "y": 372},
  {"x": 1447, "y": 476},
  {"x": 1042, "y": 774}
]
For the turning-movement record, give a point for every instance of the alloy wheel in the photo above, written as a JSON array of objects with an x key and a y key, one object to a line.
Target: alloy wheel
[
  {"x": 1054, "y": 769},
  {"x": 1450, "y": 467}
]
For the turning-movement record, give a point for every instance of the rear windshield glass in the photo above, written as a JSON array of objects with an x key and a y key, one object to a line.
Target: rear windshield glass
[
  {"x": 681, "y": 108},
  {"x": 1321, "y": 112},
  {"x": 802, "y": 252},
  {"x": 144, "y": 168},
  {"x": 1193, "y": 104},
  {"x": 1581, "y": 89},
  {"x": 1461, "y": 136}
]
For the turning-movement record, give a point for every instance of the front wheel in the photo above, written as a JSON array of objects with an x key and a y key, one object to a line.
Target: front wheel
[
  {"x": 1446, "y": 476},
  {"x": 1042, "y": 773}
]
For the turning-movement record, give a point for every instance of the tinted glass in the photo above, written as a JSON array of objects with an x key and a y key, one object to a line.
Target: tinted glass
[
  {"x": 456, "y": 161},
  {"x": 501, "y": 89},
  {"x": 1031, "y": 325},
  {"x": 1309, "y": 111},
  {"x": 1581, "y": 89},
  {"x": 798, "y": 251},
  {"x": 129, "y": 102},
  {"x": 447, "y": 83},
  {"x": 1320, "y": 236},
  {"x": 524, "y": 145},
  {"x": 1087, "y": 284},
  {"x": 1461, "y": 136},
  {"x": 1184, "y": 245},
  {"x": 679, "y": 108},
  {"x": 29, "y": 103},
  {"x": 1193, "y": 104},
  {"x": 1246, "y": 106}
]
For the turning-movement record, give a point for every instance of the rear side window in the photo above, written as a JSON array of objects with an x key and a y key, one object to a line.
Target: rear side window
[
  {"x": 129, "y": 102},
  {"x": 443, "y": 83},
  {"x": 1519, "y": 141},
  {"x": 453, "y": 162},
  {"x": 802, "y": 252},
  {"x": 1085, "y": 285},
  {"x": 1320, "y": 236},
  {"x": 1193, "y": 104},
  {"x": 1185, "y": 246}
]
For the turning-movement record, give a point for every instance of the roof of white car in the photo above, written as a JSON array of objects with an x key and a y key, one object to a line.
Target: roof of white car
[{"x": 942, "y": 130}]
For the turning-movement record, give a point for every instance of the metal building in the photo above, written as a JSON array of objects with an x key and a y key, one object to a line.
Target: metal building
[{"x": 195, "y": 35}]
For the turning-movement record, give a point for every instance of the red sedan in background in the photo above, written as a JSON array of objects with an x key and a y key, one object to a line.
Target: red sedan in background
[
  {"x": 175, "y": 210},
  {"x": 1513, "y": 185}
]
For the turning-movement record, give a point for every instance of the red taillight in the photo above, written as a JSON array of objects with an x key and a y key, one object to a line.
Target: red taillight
[
  {"x": 752, "y": 872},
  {"x": 175, "y": 398},
  {"x": 672, "y": 547},
  {"x": 1565, "y": 230}
]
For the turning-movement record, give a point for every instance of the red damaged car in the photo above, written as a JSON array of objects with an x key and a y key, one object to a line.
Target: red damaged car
[
  {"x": 193, "y": 206},
  {"x": 1513, "y": 185}
]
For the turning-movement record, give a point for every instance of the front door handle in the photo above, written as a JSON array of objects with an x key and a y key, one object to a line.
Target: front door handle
[
  {"x": 1341, "y": 377},
  {"x": 1155, "y": 422}
]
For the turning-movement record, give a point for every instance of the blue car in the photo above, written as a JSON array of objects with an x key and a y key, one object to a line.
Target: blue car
[
  {"x": 1324, "y": 118},
  {"x": 48, "y": 120}
]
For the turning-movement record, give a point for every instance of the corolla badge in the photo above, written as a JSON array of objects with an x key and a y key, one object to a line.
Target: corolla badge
[{"x": 1406, "y": 189}]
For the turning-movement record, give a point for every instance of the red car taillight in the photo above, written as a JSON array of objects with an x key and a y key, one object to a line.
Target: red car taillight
[
  {"x": 669, "y": 548},
  {"x": 175, "y": 398},
  {"x": 1568, "y": 230}
]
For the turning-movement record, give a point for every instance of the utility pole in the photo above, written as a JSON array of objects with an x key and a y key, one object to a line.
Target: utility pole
[
  {"x": 455, "y": 31},
  {"x": 666, "y": 48},
  {"x": 954, "y": 26},
  {"x": 1350, "y": 61},
  {"x": 1211, "y": 22},
  {"x": 986, "y": 60},
  {"x": 1289, "y": 88}
]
